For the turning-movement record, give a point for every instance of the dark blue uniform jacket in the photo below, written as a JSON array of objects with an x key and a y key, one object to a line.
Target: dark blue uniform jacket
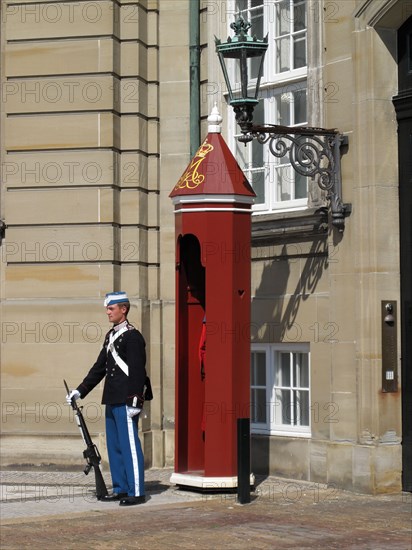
[{"x": 119, "y": 388}]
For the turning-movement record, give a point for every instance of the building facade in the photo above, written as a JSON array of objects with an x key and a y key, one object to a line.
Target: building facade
[{"x": 103, "y": 104}]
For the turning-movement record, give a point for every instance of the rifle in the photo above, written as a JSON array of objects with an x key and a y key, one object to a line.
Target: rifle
[{"x": 91, "y": 453}]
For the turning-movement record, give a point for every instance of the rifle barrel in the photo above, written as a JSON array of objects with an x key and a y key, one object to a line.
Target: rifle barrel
[{"x": 91, "y": 454}]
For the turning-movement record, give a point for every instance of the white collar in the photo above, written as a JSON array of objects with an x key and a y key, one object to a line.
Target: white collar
[{"x": 120, "y": 326}]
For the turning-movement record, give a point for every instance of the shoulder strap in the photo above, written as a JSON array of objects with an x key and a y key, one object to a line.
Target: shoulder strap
[{"x": 110, "y": 347}]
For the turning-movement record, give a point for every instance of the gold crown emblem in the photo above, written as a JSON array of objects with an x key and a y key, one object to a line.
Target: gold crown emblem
[{"x": 204, "y": 149}]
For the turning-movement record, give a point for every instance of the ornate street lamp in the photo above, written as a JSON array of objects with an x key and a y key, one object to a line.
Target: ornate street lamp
[
  {"x": 242, "y": 49},
  {"x": 312, "y": 152}
]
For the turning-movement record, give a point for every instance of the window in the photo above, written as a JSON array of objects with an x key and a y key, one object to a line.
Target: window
[
  {"x": 290, "y": 35},
  {"x": 283, "y": 101},
  {"x": 258, "y": 387},
  {"x": 280, "y": 389},
  {"x": 276, "y": 184}
]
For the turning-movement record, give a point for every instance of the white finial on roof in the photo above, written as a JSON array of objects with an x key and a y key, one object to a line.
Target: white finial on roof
[{"x": 215, "y": 121}]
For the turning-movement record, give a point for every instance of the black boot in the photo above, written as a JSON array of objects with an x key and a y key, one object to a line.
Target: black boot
[
  {"x": 113, "y": 496},
  {"x": 132, "y": 501}
]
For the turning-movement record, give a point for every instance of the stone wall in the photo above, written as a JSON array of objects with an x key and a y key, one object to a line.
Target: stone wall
[{"x": 80, "y": 196}]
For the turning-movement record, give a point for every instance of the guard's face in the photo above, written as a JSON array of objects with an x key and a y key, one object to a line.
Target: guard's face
[{"x": 116, "y": 313}]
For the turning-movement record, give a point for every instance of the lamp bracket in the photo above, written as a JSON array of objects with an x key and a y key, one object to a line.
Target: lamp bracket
[{"x": 312, "y": 152}]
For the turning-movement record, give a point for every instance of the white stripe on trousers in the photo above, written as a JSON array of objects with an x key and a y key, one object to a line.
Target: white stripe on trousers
[{"x": 132, "y": 441}]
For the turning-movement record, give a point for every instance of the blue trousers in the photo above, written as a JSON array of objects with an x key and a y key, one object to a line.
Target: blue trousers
[{"x": 125, "y": 451}]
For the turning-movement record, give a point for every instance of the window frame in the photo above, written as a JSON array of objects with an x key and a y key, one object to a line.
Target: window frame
[
  {"x": 271, "y": 164},
  {"x": 269, "y": 24},
  {"x": 277, "y": 84},
  {"x": 270, "y": 427},
  {"x": 271, "y": 58}
]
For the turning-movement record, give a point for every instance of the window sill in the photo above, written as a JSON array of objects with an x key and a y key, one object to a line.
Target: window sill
[
  {"x": 285, "y": 226},
  {"x": 280, "y": 433}
]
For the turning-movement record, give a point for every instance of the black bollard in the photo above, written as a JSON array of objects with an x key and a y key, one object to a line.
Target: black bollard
[{"x": 243, "y": 460}]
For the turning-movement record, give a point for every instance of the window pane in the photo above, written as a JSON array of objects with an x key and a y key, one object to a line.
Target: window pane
[
  {"x": 299, "y": 15},
  {"x": 301, "y": 186},
  {"x": 300, "y": 370},
  {"x": 304, "y": 408},
  {"x": 303, "y": 370},
  {"x": 259, "y": 368},
  {"x": 299, "y": 51},
  {"x": 254, "y": 67},
  {"x": 259, "y": 113},
  {"x": 301, "y": 408},
  {"x": 283, "y": 54},
  {"x": 299, "y": 104},
  {"x": 284, "y": 182},
  {"x": 283, "y": 18},
  {"x": 283, "y": 108},
  {"x": 283, "y": 370},
  {"x": 242, "y": 155},
  {"x": 258, "y": 412},
  {"x": 283, "y": 411},
  {"x": 257, "y": 181},
  {"x": 256, "y": 18},
  {"x": 257, "y": 154},
  {"x": 233, "y": 67}
]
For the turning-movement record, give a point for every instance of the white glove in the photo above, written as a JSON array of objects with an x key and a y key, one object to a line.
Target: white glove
[
  {"x": 132, "y": 411},
  {"x": 74, "y": 394}
]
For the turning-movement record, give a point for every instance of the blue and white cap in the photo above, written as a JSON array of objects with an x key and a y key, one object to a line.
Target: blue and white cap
[{"x": 115, "y": 298}]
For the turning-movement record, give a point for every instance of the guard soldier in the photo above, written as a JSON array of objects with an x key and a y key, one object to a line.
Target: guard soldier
[{"x": 122, "y": 361}]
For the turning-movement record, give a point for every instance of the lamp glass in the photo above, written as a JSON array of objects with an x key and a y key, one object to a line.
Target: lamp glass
[{"x": 238, "y": 57}]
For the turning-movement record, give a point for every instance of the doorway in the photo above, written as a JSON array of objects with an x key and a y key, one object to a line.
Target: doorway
[{"x": 403, "y": 106}]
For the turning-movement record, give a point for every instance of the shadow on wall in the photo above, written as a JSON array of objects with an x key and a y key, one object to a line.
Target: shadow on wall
[
  {"x": 271, "y": 321},
  {"x": 275, "y": 308}
]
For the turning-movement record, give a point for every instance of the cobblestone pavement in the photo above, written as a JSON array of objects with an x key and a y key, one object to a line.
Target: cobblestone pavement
[
  {"x": 44, "y": 509},
  {"x": 26, "y": 494}
]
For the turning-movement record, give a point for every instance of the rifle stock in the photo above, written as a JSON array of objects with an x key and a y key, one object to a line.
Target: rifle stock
[{"x": 91, "y": 453}]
